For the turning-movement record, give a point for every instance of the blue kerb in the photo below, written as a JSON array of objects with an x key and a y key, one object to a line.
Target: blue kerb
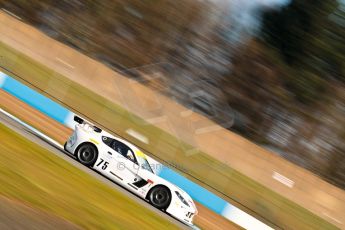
[
  {"x": 36, "y": 100},
  {"x": 197, "y": 192}
]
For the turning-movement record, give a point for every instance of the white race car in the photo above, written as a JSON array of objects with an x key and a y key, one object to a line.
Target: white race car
[{"x": 126, "y": 165}]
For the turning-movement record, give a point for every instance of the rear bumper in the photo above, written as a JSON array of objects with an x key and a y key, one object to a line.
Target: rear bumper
[
  {"x": 70, "y": 145},
  {"x": 68, "y": 148}
]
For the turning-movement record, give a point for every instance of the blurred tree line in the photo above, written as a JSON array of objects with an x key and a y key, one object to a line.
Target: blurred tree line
[
  {"x": 284, "y": 85},
  {"x": 292, "y": 76},
  {"x": 121, "y": 33}
]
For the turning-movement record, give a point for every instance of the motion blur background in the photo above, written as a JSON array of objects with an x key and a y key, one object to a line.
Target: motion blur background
[{"x": 270, "y": 70}]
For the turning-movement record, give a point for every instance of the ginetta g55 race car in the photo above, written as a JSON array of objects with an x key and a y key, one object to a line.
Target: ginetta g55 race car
[{"x": 125, "y": 164}]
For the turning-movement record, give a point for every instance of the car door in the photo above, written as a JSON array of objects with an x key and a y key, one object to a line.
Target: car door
[
  {"x": 106, "y": 162},
  {"x": 127, "y": 164}
]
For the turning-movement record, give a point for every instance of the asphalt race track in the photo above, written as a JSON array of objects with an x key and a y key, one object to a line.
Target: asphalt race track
[{"x": 58, "y": 150}]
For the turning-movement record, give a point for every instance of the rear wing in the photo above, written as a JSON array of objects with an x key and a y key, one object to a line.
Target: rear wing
[{"x": 80, "y": 120}]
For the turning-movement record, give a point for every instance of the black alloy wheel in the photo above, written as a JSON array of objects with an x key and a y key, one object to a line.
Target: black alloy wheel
[{"x": 160, "y": 197}]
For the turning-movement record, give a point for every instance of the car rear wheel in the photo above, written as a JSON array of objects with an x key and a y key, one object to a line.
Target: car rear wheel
[
  {"x": 87, "y": 154},
  {"x": 160, "y": 197}
]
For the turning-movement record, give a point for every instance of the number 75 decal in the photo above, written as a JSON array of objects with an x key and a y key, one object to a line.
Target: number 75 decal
[{"x": 105, "y": 164}]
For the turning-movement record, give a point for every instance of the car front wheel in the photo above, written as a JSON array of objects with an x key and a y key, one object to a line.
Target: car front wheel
[{"x": 160, "y": 197}]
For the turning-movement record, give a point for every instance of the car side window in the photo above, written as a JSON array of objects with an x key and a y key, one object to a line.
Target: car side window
[{"x": 120, "y": 147}]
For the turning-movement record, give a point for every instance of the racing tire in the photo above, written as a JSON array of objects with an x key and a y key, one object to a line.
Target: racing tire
[
  {"x": 160, "y": 197},
  {"x": 87, "y": 154}
]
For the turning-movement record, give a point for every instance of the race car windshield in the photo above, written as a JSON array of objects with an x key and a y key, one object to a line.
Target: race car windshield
[
  {"x": 147, "y": 166},
  {"x": 144, "y": 163}
]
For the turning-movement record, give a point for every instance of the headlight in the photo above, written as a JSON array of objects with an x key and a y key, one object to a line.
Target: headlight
[{"x": 181, "y": 198}]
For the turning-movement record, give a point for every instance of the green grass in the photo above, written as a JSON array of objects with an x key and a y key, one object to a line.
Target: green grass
[
  {"x": 201, "y": 168},
  {"x": 37, "y": 177}
]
